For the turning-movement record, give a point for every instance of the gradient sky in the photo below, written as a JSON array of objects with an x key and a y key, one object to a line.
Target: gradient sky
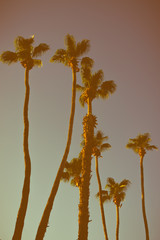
[{"x": 124, "y": 36}]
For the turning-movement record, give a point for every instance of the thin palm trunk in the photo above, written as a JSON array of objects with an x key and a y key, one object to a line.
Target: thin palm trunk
[
  {"x": 46, "y": 214},
  {"x": 100, "y": 199},
  {"x": 117, "y": 227},
  {"x": 83, "y": 217},
  {"x": 89, "y": 106},
  {"x": 143, "y": 199},
  {"x": 26, "y": 186}
]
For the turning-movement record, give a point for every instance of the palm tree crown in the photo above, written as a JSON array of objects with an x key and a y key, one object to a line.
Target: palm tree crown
[
  {"x": 117, "y": 190},
  {"x": 73, "y": 51},
  {"x": 72, "y": 171},
  {"x": 140, "y": 144},
  {"x": 93, "y": 85},
  {"x": 98, "y": 145},
  {"x": 25, "y": 53}
]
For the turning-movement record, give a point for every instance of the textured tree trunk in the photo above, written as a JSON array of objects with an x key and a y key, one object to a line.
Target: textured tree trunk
[
  {"x": 83, "y": 217},
  {"x": 26, "y": 186},
  {"x": 100, "y": 199},
  {"x": 117, "y": 227},
  {"x": 143, "y": 199},
  {"x": 47, "y": 211}
]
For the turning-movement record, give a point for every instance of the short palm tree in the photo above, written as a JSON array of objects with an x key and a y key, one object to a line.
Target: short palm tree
[
  {"x": 116, "y": 192},
  {"x": 99, "y": 147},
  {"x": 93, "y": 87},
  {"x": 69, "y": 57},
  {"x": 72, "y": 171},
  {"x": 25, "y": 54},
  {"x": 140, "y": 145}
]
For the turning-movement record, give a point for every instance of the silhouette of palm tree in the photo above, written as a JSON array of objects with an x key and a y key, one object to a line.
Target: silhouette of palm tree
[
  {"x": 140, "y": 145},
  {"x": 25, "y": 54},
  {"x": 99, "y": 147},
  {"x": 93, "y": 87},
  {"x": 69, "y": 57},
  {"x": 117, "y": 194}
]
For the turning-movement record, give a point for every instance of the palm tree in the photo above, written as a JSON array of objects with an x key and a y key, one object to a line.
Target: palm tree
[
  {"x": 25, "y": 53},
  {"x": 93, "y": 87},
  {"x": 117, "y": 194},
  {"x": 140, "y": 145},
  {"x": 98, "y": 148},
  {"x": 72, "y": 171},
  {"x": 69, "y": 57}
]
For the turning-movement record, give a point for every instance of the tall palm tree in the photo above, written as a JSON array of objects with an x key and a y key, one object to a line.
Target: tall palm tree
[
  {"x": 93, "y": 87},
  {"x": 69, "y": 57},
  {"x": 24, "y": 53},
  {"x": 117, "y": 194},
  {"x": 140, "y": 145},
  {"x": 98, "y": 148}
]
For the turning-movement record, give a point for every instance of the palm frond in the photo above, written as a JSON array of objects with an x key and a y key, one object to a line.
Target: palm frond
[
  {"x": 79, "y": 88},
  {"x": 132, "y": 146},
  {"x": 37, "y": 63},
  {"x": 65, "y": 177},
  {"x": 105, "y": 196},
  {"x": 82, "y": 47},
  {"x": 23, "y": 55},
  {"x": 103, "y": 192},
  {"x": 60, "y": 56},
  {"x": 107, "y": 87},
  {"x": 110, "y": 182},
  {"x": 73, "y": 182},
  {"x": 82, "y": 100},
  {"x": 70, "y": 44},
  {"x": 124, "y": 182},
  {"x": 8, "y": 57},
  {"x": 75, "y": 166},
  {"x": 97, "y": 78},
  {"x": 87, "y": 62},
  {"x": 40, "y": 49},
  {"x": 121, "y": 196},
  {"x": 22, "y": 43},
  {"x": 99, "y": 135},
  {"x": 151, "y": 147},
  {"x": 104, "y": 147},
  {"x": 86, "y": 76}
]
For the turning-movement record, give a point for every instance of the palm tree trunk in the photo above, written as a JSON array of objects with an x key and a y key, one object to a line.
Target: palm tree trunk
[
  {"x": 89, "y": 106},
  {"x": 117, "y": 227},
  {"x": 46, "y": 214},
  {"x": 100, "y": 199},
  {"x": 83, "y": 217},
  {"x": 143, "y": 199},
  {"x": 26, "y": 186}
]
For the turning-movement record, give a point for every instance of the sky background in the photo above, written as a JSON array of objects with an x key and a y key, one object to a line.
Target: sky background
[{"x": 124, "y": 37}]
